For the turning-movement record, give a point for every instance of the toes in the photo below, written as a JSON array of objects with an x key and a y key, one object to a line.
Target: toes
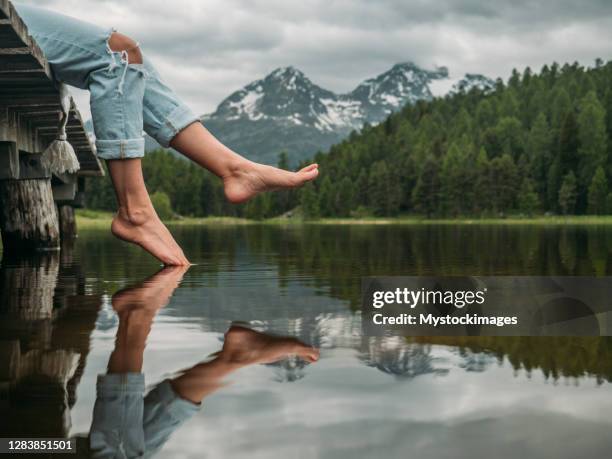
[
  {"x": 309, "y": 168},
  {"x": 308, "y": 175}
]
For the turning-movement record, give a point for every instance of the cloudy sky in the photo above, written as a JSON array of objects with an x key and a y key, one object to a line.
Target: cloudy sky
[{"x": 208, "y": 48}]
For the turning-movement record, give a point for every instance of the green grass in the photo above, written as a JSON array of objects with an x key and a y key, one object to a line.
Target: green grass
[
  {"x": 87, "y": 218},
  {"x": 97, "y": 219}
]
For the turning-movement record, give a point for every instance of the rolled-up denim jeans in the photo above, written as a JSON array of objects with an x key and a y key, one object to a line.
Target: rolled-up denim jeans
[
  {"x": 125, "y": 97},
  {"x": 126, "y": 424}
]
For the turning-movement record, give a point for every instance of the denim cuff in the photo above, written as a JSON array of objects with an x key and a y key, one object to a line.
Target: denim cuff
[
  {"x": 120, "y": 149},
  {"x": 120, "y": 383},
  {"x": 177, "y": 120},
  {"x": 179, "y": 408}
]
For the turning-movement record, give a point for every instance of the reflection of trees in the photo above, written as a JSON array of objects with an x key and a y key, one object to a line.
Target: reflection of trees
[
  {"x": 45, "y": 323},
  {"x": 556, "y": 356},
  {"x": 337, "y": 257}
]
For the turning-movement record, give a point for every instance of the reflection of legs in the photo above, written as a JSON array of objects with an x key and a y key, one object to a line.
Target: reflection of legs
[
  {"x": 242, "y": 178},
  {"x": 242, "y": 347},
  {"x": 137, "y": 307},
  {"x": 117, "y": 428},
  {"x": 136, "y": 220}
]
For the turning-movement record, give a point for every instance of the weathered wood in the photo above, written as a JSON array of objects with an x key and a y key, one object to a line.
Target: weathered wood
[
  {"x": 9, "y": 359},
  {"x": 28, "y": 219},
  {"x": 27, "y": 285},
  {"x": 9, "y": 161},
  {"x": 31, "y": 166},
  {"x": 29, "y": 96},
  {"x": 68, "y": 228}
]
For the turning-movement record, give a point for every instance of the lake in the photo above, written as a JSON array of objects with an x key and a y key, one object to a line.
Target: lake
[{"x": 100, "y": 305}]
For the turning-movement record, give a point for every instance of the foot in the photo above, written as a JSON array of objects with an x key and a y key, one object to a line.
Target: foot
[
  {"x": 144, "y": 228},
  {"x": 246, "y": 347},
  {"x": 249, "y": 179},
  {"x": 153, "y": 293}
]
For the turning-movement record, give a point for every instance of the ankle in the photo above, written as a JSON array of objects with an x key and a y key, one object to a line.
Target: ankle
[
  {"x": 136, "y": 215},
  {"x": 238, "y": 166}
]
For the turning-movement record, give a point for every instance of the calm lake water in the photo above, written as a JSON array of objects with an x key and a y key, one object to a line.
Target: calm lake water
[{"x": 62, "y": 317}]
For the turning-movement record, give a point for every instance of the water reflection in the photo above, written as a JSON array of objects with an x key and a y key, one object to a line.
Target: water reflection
[
  {"x": 66, "y": 318},
  {"x": 126, "y": 423},
  {"x": 45, "y": 323}
]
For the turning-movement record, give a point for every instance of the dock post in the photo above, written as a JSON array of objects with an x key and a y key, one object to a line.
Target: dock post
[{"x": 28, "y": 219}]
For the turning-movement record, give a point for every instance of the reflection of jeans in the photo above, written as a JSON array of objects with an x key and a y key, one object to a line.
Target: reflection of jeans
[
  {"x": 124, "y": 98},
  {"x": 126, "y": 425}
]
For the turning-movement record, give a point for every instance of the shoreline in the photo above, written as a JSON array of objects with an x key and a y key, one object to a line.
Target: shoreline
[{"x": 98, "y": 219}]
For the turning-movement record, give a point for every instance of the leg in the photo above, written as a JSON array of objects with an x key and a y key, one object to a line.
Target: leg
[
  {"x": 122, "y": 94},
  {"x": 242, "y": 178},
  {"x": 137, "y": 307},
  {"x": 242, "y": 347},
  {"x": 136, "y": 220},
  {"x": 171, "y": 123}
]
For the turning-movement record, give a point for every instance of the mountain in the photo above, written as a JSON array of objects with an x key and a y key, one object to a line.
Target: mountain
[
  {"x": 473, "y": 81},
  {"x": 286, "y": 111}
]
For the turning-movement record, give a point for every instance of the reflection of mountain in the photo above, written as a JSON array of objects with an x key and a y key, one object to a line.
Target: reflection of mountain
[{"x": 396, "y": 356}]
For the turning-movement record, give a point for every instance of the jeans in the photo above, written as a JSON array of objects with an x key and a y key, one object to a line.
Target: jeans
[
  {"x": 126, "y": 425},
  {"x": 125, "y": 97}
]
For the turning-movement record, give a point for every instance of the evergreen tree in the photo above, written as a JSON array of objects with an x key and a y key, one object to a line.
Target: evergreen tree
[
  {"x": 528, "y": 201},
  {"x": 592, "y": 137},
  {"x": 344, "y": 197},
  {"x": 503, "y": 183},
  {"x": 539, "y": 153},
  {"x": 425, "y": 194},
  {"x": 598, "y": 193},
  {"x": 309, "y": 202},
  {"x": 568, "y": 194}
]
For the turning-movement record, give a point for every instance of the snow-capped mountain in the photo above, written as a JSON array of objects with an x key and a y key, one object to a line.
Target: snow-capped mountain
[
  {"x": 286, "y": 111},
  {"x": 471, "y": 81}
]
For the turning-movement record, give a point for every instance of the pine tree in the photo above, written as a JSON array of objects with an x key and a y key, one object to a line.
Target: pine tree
[
  {"x": 598, "y": 193},
  {"x": 503, "y": 183},
  {"x": 309, "y": 202},
  {"x": 567, "y": 194},
  {"x": 457, "y": 180},
  {"x": 326, "y": 198},
  {"x": 528, "y": 201},
  {"x": 344, "y": 198},
  {"x": 425, "y": 195},
  {"x": 539, "y": 153},
  {"x": 592, "y": 137}
]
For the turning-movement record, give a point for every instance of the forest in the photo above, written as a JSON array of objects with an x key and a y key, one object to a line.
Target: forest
[{"x": 539, "y": 143}]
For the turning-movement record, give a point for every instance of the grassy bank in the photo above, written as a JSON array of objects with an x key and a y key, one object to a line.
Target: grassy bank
[{"x": 97, "y": 219}]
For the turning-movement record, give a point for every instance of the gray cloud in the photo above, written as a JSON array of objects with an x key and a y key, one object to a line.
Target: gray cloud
[{"x": 207, "y": 49}]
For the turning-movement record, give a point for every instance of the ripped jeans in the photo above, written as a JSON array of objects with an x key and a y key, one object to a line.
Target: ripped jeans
[{"x": 125, "y": 97}]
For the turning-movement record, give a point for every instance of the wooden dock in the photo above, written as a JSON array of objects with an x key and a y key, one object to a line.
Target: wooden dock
[{"x": 36, "y": 206}]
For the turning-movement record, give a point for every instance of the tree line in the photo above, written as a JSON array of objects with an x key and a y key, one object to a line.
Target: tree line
[{"x": 538, "y": 143}]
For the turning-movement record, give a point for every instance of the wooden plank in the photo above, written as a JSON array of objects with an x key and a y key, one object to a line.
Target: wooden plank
[
  {"x": 29, "y": 92},
  {"x": 4, "y": 9}
]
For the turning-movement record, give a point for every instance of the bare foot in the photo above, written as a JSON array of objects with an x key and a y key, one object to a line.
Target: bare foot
[
  {"x": 249, "y": 178},
  {"x": 151, "y": 294},
  {"x": 145, "y": 229},
  {"x": 245, "y": 347}
]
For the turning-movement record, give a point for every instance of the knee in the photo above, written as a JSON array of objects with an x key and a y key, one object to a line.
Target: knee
[{"x": 119, "y": 42}]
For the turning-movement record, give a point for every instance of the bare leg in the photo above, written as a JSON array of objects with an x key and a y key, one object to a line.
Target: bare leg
[
  {"x": 136, "y": 220},
  {"x": 242, "y": 178},
  {"x": 242, "y": 347},
  {"x": 136, "y": 308}
]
